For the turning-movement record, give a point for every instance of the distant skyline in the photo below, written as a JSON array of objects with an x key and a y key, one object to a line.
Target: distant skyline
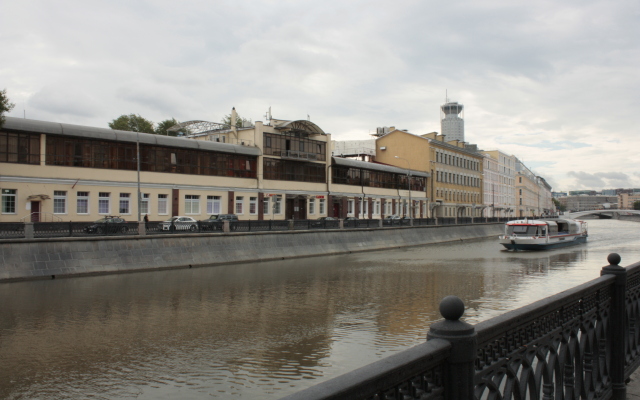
[{"x": 555, "y": 84}]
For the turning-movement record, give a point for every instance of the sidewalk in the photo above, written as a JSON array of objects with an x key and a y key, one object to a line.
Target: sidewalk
[{"x": 633, "y": 387}]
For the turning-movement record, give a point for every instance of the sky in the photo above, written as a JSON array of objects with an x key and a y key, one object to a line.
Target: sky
[{"x": 557, "y": 84}]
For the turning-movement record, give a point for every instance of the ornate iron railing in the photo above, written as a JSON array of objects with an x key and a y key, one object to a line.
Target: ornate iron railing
[
  {"x": 582, "y": 343},
  {"x": 14, "y": 230}
]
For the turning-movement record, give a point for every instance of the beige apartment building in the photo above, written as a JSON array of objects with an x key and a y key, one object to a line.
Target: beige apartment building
[
  {"x": 455, "y": 189},
  {"x": 626, "y": 200},
  {"x": 499, "y": 184},
  {"x": 274, "y": 170}
]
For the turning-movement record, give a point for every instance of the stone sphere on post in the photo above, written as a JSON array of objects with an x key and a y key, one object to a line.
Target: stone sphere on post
[
  {"x": 452, "y": 308},
  {"x": 614, "y": 259}
]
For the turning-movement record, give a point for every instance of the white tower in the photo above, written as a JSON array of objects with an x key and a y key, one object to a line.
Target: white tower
[{"x": 452, "y": 125}]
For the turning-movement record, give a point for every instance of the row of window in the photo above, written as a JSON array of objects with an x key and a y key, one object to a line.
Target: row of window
[
  {"x": 20, "y": 148},
  {"x": 457, "y": 179},
  {"x": 287, "y": 145},
  {"x": 456, "y": 161},
  {"x": 402, "y": 208},
  {"x": 448, "y": 195},
  {"x": 380, "y": 179},
  {"x": 286, "y": 170},
  {"x": 78, "y": 152},
  {"x": 192, "y": 203}
]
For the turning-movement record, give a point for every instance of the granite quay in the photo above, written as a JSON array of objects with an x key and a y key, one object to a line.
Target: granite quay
[
  {"x": 43, "y": 258},
  {"x": 580, "y": 343}
]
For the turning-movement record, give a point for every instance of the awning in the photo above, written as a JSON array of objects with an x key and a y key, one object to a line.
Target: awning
[{"x": 35, "y": 197}]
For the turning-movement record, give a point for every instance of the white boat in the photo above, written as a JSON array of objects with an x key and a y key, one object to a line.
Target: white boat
[{"x": 543, "y": 234}]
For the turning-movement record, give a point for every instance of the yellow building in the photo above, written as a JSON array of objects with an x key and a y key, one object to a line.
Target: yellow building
[
  {"x": 278, "y": 170},
  {"x": 456, "y": 169}
]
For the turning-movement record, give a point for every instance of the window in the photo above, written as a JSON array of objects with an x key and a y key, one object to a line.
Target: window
[
  {"x": 59, "y": 202},
  {"x": 9, "y": 201},
  {"x": 277, "y": 206},
  {"x": 253, "y": 205},
  {"x": 22, "y": 148},
  {"x": 82, "y": 202},
  {"x": 213, "y": 204},
  {"x": 239, "y": 205},
  {"x": 312, "y": 206},
  {"x": 162, "y": 204},
  {"x": 350, "y": 206},
  {"x": 124, "y": 207},
  {"x": 191, "y": 204},
  {"x": 103, "y": 203},
  {"x": 266, "y": 205},
  {"x": 321, "y": 204},
  {"x": 144, "y": 203}
]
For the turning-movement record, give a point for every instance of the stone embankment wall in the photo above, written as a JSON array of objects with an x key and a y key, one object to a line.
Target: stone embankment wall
[{"x": 63, "y": 257}]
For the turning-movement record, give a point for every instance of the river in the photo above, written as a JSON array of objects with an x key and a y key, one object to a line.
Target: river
[{"x": 261, "y": 331}]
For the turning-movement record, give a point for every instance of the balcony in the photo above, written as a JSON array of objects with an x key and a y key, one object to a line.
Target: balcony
[{"x": 296, "y": 155}]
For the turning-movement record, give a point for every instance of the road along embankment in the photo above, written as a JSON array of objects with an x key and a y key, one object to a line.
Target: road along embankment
[{"x": 64, "y": 257}]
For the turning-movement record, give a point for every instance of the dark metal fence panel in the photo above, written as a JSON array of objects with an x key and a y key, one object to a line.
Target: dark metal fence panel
[
  {"x": 446, "y": 221},
  {"x": 11, "y": 230},
  {"x": 51, "y": 229},
  {"x": 632, "y": 348},
  {"x": 528, "y": 352},
  {"x": 301, "y": 224},
  {"x": 416, "y": 373}
]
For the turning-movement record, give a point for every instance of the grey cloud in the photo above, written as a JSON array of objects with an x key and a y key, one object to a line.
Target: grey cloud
[{"x": 600, "y": 180}]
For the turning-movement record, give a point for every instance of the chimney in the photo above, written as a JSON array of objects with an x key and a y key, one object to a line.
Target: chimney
[{"x": 234, "y": 117}]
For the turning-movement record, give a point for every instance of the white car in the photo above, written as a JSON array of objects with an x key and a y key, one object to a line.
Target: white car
[{"x": 179, "y": 223}]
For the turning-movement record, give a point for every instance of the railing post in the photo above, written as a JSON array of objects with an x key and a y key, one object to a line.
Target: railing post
[
  {"x": 225, "y": 226},
  {"x": 341, "y": 223},
  {"x": 28, "y": 230},
  {"x": 460, "y": 370},
  {"x": 291, "y": 225},
  {"x": 617, "y": 325}
]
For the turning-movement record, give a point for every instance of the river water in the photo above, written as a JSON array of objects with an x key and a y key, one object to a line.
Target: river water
[{"x": 261, "y": 331}]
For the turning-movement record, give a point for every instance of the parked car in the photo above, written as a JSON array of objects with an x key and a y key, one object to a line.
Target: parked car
[
  {"x": 108, "y": 225},
  {"x": 351, "y": 219},
  {"x": 216, "y": 222},
  {"x": 179, "y": 223},
  {"x": 320, "y": 222}
]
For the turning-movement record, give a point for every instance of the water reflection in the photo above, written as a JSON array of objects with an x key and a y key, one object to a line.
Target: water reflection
[{"x": 263, "y": 330}]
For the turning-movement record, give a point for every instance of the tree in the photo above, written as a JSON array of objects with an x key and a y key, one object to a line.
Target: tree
[
  {"x": 132, "y": 123},
  {"x": 162, "y": 127},
  {"x": 5, "y": 105},
  {"x": 239, "y": 121},
  {"x": 559, "y": 206},
  {"x": 636, "y": 205}
]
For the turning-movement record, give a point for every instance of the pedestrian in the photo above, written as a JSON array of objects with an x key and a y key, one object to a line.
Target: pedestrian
[{"x": 146, "y": 221}]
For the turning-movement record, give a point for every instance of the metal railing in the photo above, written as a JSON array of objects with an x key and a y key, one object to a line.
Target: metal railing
[
  {"x": 16, "y": 230},
  {"x": 580, "y": 343}
]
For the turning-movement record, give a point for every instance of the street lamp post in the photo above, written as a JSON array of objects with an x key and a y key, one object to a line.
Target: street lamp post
[{"x": 409, "y": 188}]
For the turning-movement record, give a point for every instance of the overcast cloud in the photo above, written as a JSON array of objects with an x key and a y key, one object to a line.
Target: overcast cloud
[{"x": 555, "y": 83}]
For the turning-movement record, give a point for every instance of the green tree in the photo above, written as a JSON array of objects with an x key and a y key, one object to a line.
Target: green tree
[
  {"x": 161, "y": 128},
  {"x": 636, "y": 205},
  {"x": 559, "y": 206},
  {"x": 239, "y": 121},
  {"x": 5, "y": 105},
  {"x": 133, "y": 123}
]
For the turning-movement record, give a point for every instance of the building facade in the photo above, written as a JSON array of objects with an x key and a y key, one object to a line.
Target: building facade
[
  {"x": 499, "y": 184},
  {"x": 456, "y": 172},
  {"x": 275, "y": 170}
]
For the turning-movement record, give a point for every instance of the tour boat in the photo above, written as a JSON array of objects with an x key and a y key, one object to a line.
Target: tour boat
[{"x": 543, "y": 234}]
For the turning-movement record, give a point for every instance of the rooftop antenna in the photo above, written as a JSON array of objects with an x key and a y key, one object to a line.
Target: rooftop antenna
[
  {"x": 446, "y": 96},
  {"x": 308, "y": 117}
]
